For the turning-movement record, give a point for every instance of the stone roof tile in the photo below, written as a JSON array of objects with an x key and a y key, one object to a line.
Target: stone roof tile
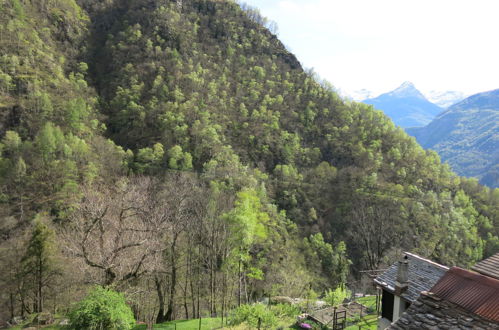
[
  {"x": 432, "y": 312},
  {"x": 423, "y": 274}
]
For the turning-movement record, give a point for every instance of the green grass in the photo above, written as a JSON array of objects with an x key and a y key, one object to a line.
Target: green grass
[
  {"x": 206, "y": 324},
  {"x": 212, "y": 323},
  {"x": 369, "y": 301},
  {"x": 367, "y": 322}
]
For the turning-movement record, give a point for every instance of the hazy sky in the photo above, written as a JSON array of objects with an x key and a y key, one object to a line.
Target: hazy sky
[{"x": 378, "y": 44}]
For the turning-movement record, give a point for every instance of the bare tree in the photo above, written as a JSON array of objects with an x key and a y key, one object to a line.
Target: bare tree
[
  {"x": 183, "y": 198},
  {"x": 375, "y": 228},
  {"x": 14, "y": 293},
  {"x": 117, "y": 231}
]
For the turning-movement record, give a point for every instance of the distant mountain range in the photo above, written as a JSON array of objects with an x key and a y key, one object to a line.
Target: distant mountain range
[
  {"x": 406, "y": 106},
  {"x": 358, "y": 95},
  {"x": 467, "y": 136},
  {"x": 445, "y": 99}
]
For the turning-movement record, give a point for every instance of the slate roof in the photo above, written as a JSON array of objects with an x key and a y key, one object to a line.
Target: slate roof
[
  {"x": 461, "y": 299},
  {"x": 432, "y": 312},
  {"x": 423, "y": 274},
  {"x": 488, "y": 267}
]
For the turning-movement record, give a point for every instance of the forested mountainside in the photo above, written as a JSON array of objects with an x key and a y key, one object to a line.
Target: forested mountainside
[
  {"x": 467, "y": 136},
  {"x": 406, "y": 106},
  {"x": 177, "y": 152}
]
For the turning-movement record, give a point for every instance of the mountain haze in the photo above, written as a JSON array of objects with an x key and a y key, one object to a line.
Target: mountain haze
[
  {"x": 406, "y": 106},
  {"x": 445, "y": 99},
  {"x": 467, "y": 136}
]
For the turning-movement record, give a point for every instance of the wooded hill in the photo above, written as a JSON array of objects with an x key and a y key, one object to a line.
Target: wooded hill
[
  {"x": 467, "y": 137},
  {"x": 176, "y": 151}
]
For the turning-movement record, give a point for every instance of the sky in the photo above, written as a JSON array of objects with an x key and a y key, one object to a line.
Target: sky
[{"x": 442, "y": 45}]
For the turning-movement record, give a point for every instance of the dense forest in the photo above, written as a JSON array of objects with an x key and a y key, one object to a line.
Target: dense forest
[{"x": 178, "y": 153}]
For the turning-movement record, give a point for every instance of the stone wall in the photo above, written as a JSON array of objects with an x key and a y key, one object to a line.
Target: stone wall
[{"x": 431, "y": 312}]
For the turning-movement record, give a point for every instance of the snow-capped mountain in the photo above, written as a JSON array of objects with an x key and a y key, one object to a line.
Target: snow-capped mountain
[
  {"x": 361, "y": 94},
  {"x": 406, "y": 106},
  {"x": 445, "y": 99},
  {"x": 407, "y": 89}
]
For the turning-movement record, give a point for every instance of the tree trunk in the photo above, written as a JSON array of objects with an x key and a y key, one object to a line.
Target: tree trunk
[
  {"x": 11, "y": 306},
  {"x": 24, "y": 308},
  {"x": 39, "y": 297},
  {"x": 199, "y": 284},
  {"x": 187, "y": 275},
  {"x": 239, "y": 285},
  {"x": 224, "y": 292},
  {"x": 212, "y": 280},
  {"x": 246, "y": 289},
  {"x": 191, "y": 282},
  {"x": 159, "y": 290},
  {"x": 173, "y": 283}
]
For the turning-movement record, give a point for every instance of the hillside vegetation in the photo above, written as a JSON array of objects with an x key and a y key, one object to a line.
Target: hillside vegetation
[
  {"x": 177, "y": 152},
  {"x": 467, "y": 136}
]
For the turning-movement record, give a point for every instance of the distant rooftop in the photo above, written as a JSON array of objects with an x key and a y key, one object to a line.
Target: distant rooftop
[
  {"x": 488, "y": 267},
  {"x": 423, "y": 274}
]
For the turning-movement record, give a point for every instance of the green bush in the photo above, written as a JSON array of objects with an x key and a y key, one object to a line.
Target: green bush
[
  {"x": 285, "y": 310},
  {"x": 102, "y": 309},
  {"x": 253, "y": 315},
  {"x": 336, "y": 296}
]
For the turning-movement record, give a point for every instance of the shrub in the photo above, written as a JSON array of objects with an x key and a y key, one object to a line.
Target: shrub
[
  {"x": 102, "y": 309},
  {"x": 336, "y": 296},
  {"x": 285, "y": 310},
  {"x": 251, "y": 314}
]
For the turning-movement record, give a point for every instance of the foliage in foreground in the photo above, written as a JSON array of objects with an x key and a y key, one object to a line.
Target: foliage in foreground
[
  {"x": 102, "y": 308},
  {"x": 256, "y": 315},
  {"x": 206, "y": 324},
  {"x": 251, "y": 172},
  {"x": 337, "y": 296},
  {"x": 285, "y": 310}
]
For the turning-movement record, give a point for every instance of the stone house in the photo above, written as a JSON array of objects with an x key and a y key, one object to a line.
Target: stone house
[
  {"x": 403, "y": 282},
  {"x": 461, "y": 299}
]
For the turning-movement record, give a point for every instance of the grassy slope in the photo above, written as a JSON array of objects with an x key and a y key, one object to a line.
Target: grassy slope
[
  {"x": 369, "y": 321},
  {"x": 208, "y": 323}
]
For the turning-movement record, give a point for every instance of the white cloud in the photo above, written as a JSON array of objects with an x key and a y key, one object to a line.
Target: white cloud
[{"x": 378, "y": 44}]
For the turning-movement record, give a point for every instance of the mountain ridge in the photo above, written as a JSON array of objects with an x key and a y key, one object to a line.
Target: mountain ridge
[
  {"x": 175, "y": 151},
  {"x": 467, "y": 136},
  {"x": 445, "y": 99},
  {"x": 406, "y": 106},
  {"x": 406, "y": 89}
]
